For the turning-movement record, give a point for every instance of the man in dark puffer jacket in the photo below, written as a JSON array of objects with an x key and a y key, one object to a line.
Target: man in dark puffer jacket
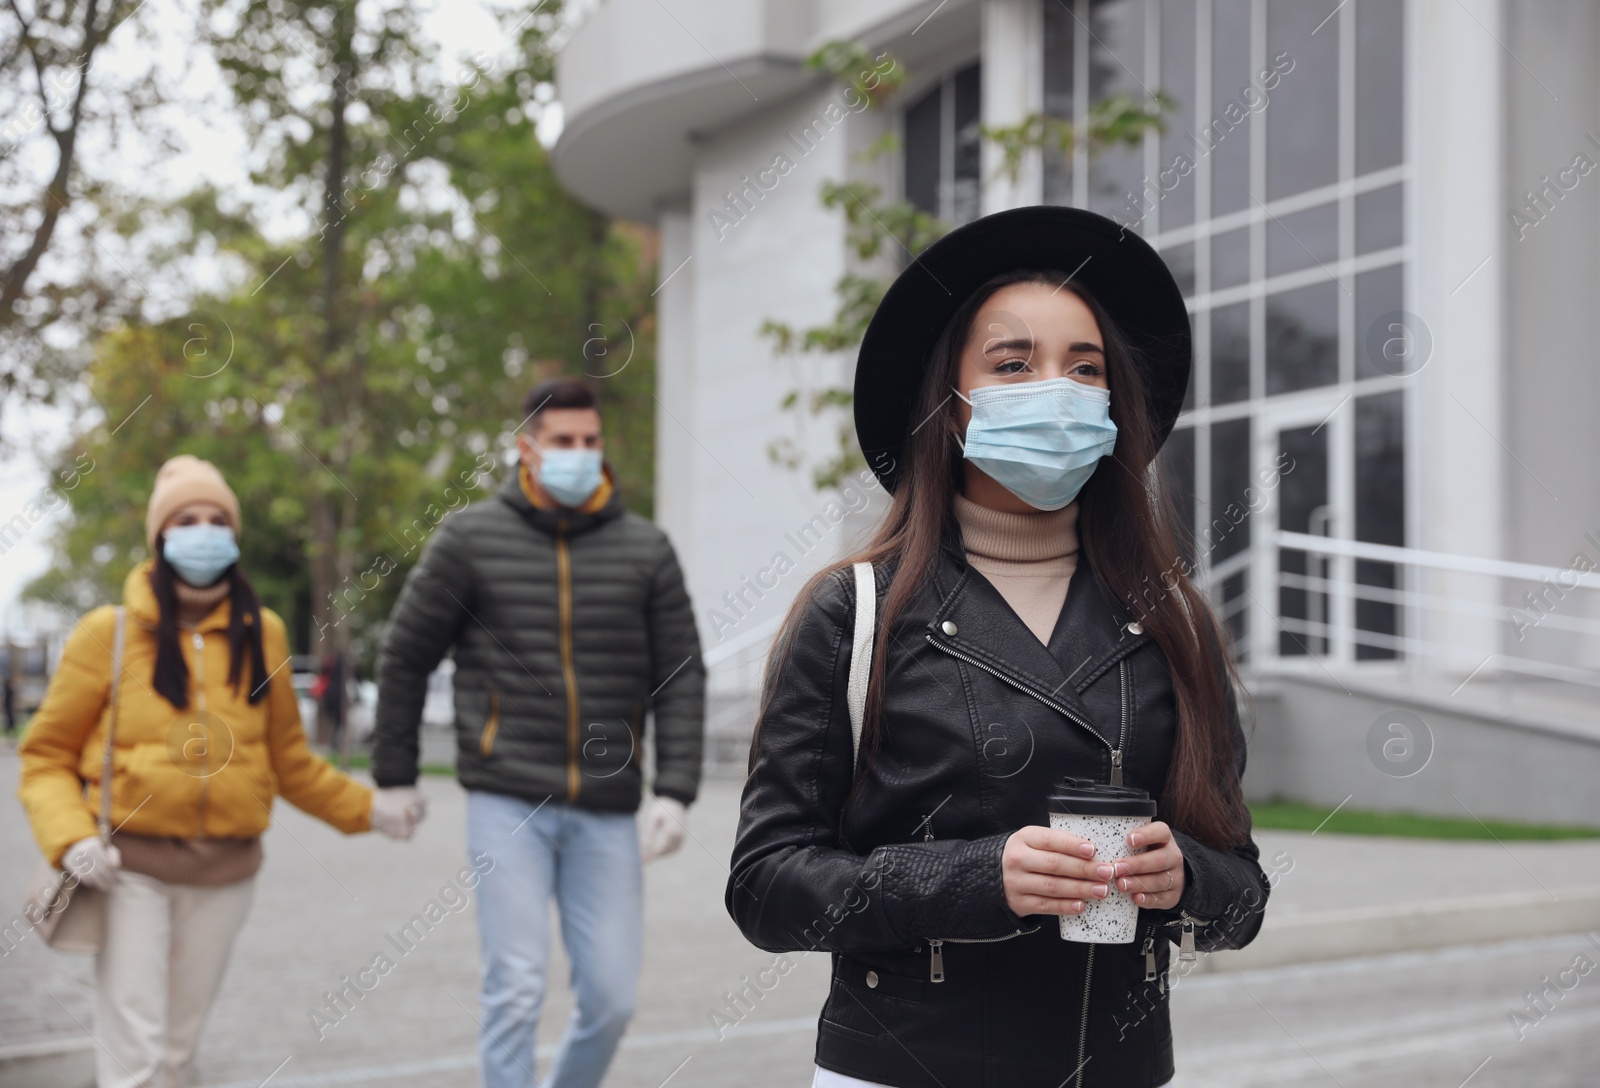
[{"x": 569, "y": 620}]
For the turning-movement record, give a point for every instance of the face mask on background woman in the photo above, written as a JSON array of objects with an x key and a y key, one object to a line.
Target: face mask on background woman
[
  {"x": 1040, "y": 440},
  {"x": 200, "y": 553}
]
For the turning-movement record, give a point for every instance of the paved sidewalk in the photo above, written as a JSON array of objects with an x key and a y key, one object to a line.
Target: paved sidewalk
[{"x": 325, "y": 904}]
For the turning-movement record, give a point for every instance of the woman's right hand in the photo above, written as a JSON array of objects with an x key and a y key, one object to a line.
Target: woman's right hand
[
  {"x": 1047, "y": 871},
  {"x": 397, "y": 810},
  {"x": 93, "y": 862}
]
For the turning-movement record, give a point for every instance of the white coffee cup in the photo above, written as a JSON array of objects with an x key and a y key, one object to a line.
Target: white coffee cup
[{"x": 1104, "y": 815}]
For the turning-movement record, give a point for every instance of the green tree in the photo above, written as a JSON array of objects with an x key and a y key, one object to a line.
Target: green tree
[
  {"x": 349, "y": 390},
  {"x": 60, "y": 277}
]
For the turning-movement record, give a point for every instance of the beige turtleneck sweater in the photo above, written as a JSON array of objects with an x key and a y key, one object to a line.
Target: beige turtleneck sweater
[
  {"x": 195, "y": 603},
  {"x": 1029, "y": 557}
]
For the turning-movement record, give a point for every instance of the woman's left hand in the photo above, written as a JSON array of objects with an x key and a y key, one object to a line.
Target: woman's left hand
[{"x": 1154, "y": 876}]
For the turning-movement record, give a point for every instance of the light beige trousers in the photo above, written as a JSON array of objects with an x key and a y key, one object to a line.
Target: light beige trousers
[{"x": 165, "y": 952}]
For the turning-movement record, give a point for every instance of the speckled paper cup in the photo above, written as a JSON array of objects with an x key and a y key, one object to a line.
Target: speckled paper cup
[{"x": 1104, "y": 815}]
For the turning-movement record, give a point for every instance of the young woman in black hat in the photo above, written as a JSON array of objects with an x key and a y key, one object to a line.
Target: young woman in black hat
[{"x": 1033, "y": 621}]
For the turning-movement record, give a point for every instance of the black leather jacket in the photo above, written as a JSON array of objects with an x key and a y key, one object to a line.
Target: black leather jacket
[{"x": 982, "y": 720}]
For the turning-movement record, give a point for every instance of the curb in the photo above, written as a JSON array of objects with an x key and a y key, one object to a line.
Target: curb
[
  {"x": 66, "y": 1062},
  {"x": 1313, "y": 936}
]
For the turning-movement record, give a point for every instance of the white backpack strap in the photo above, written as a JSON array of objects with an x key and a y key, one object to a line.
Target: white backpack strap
[{"x": 861, "y": 654}]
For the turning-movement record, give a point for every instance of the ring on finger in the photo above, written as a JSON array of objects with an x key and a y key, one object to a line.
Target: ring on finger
[{"x": 1171, "y": 880}]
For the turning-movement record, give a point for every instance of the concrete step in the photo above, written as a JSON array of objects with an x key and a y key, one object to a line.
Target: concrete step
[
  {"x": 1314, "y": 935},
  {"x": 48, "y": 1063}
]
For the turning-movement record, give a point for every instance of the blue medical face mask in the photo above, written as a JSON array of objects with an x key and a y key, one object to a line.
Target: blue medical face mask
[
  {"x": 200, "y": 553},
  {"x": 569, "y": 475},
  {"x": 1040, "y": 440}
]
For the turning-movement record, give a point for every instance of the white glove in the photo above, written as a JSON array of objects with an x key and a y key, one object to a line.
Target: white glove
[
  {"x": 94, "y": 863},
  {"x": 665, "y": 823},
  {"x": 397, "y": 810}
]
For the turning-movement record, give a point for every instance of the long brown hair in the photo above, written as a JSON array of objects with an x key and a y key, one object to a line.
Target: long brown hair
[
  {"x": 1126, "y": 535},
  {"x": 171, "y": 673}
]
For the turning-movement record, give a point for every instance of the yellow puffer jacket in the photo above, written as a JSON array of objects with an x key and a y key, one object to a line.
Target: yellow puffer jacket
[{"x": 209, "y": 771}]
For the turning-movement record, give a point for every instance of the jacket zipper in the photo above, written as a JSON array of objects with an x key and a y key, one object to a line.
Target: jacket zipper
[
  {"x": 1051, "y": 703},
  {"x": 1122, "y": 736},
  {"x": 1114, "y": 749},
  {"x": 1149, "y": 951},
  {"x": 569, "y": 674},
  {"x": 935, "y": 946},
  {"x": 1083, "y": 1025},
  {"x": 491, "y": 726},
  {"x": 1186, "y": 950},
  {"x": 199, "y": 680}
]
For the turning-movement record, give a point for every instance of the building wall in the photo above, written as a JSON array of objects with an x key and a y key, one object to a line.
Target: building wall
[
  {"x": 1456, "y": 76},
  {"x": 1551, "y": 377},
  {"x": 747, "y": 524},
  {"x": 1320, "y": 741}
]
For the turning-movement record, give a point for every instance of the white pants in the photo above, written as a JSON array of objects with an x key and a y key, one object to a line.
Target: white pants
[
  {"x": 165, "y": 952},
  {"x": 827, "y": 1078}
]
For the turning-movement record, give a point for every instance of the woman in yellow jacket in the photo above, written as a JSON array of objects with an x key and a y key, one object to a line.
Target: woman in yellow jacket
[{"x": 207, "y": 733}]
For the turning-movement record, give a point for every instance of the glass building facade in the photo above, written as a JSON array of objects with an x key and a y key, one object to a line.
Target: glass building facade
[{"x": 1275, "y": 192}]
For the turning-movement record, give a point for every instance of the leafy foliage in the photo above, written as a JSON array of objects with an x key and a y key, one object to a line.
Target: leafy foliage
[
  {"x": 364, "y": 378},
  {"x": 64, "y": 263}
]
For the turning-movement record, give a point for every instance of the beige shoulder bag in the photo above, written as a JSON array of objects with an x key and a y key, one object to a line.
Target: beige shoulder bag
[{"x": 68, "y": 915}]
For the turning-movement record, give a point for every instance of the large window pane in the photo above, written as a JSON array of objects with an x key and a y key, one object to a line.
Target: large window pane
[
  {"x": 1380, "y": 469},
  {"x": 1380, "y": 512},
  {"x": 1180, "y": 260},
  {"x": 1116, "y": 66},
  {"x": 1230, "y": 259},
  {"x": 1177, "y": 475},
  {"x": 1303, "y": 118},
  {"x": 922, "y": 151},
  {"x": 1177, "y": 80},
  {"x": 941, "y": 148},
  {"x": 1227, "y": 528},
  {"x": 1380, "y": 348},
  {"x": 1303, "y": 508},
  {"x": 1225, "y": 531},
  {"x": 1303, "y": 239},
  {"x": 1380, "y": 219},
  {"x": 1059, "y": 74},
  {"x": 964, "y": 200},
  {"x": 1226, "y": 136},
  {"x": 1230, "y": 353},
  {"x": 1380, "y": 91},
  {"x": 1303, "y": 338}
]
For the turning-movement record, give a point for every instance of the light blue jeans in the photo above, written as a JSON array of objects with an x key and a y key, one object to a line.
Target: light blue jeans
[{"x": 589, "y": 862}]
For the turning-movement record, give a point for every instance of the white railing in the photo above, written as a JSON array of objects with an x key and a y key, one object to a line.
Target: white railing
[
  {"x": 1449, "y": 612},
  {"x": 1453, "y": 613}
]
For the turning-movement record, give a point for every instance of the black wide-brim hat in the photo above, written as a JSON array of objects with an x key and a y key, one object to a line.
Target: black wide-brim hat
[{"x": 1125, "y": 276}]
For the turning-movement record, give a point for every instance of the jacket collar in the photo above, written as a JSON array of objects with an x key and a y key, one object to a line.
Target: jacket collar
[
  {"x": 972, "y": 619},
  {"x": 565, "y": 519},
  {"x": 139, "y": 598}
]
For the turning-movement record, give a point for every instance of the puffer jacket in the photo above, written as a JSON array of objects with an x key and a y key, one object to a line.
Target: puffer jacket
[
  {"x": 567, "y": 626},
  {"x": 905, "y": 881},
  {"x": 209, "y": 771}
]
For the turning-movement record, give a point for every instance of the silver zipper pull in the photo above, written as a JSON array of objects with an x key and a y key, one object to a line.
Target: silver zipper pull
[
  {"x": 1149, "y": 959},
  {"x": 935, "y": 947},
  {"x": 1116, "y": 766},
  {"x": 1186, "y": 953}
]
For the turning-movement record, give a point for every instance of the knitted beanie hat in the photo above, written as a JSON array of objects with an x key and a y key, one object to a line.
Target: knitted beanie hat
[{"x": 182, "y": 480}]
